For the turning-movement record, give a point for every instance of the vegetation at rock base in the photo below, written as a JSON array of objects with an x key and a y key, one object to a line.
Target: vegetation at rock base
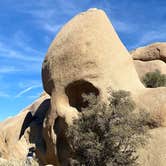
[
  {"x": 15, "y": 162},
  {"x": 108, "y": 135},
  {"x": 154, "y": 79}
]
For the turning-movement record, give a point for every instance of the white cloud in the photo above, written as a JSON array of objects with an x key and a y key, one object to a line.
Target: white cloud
[
  {"x": 155, "y": 35},
  {"x": 43, "y": 14},
  {"x": 51, "y": 28},
  {"x": 28, "y": 83},
  {"x": 122, "y": 26},
  {"x": 8, "y": 52},
  {"x": 22, "y": 41},
  {"x": 8, "y": 69},
  {"x": 46, "y": 15},
  {"x": 152, "y": 36},
  {"x": 44, "y": 18},
  {"x": 4, "y": 95},
  {"x": 27, "y": 90},
  {"x": 34, "y": 96}
]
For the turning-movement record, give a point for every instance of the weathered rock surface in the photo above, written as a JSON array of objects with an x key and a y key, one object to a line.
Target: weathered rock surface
[
  {"x": 152, "y": 100},
  {"x": 143, "y": 67},
  {"x": 14, "y": 141},
  {"x": 156, "y": 51},
  {"x": 89, "y": 46},
  {"x": 154, "y": 153},
  {"x": 148, "y": 59},
  {"x": 86, "y": 56}
]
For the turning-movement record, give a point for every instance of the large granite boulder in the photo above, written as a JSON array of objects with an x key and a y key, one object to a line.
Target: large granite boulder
[
  {"x": 156, "y": 51},
  {"x": 86, "y": 56},
  {"x": 19, "y": 133},
  {"x": 150, "y": 58},
  {"x": 153, "y": 154},
  {"x": 143, "y": 67}
]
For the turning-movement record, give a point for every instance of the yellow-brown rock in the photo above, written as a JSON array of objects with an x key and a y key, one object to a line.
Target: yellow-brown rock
[
  {"x": 86, "y": 56},
  {"x": 156, "y": 51},
  {"x": 14, "y": 140},
  {"x": 153, "y": 154},
  {"x": 143, "y": 67}
]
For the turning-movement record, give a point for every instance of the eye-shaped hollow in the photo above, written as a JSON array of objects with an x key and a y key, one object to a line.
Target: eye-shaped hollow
[{"x": 75, "y": 90}]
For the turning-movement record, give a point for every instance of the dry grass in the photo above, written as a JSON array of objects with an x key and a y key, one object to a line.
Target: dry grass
[{"x": 13, "y": 162}]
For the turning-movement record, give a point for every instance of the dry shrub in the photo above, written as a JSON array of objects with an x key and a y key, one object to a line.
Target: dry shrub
[
  {"x": 14, "y": 162},
  {"x": 107, "y": 135}
]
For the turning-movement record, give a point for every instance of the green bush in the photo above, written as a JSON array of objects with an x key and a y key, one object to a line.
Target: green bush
[
  {"x": 107, "y": 135},
  {"x": 154, "y": 79}
]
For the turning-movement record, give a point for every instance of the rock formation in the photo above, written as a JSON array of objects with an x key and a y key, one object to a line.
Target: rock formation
[
  {"x": 149, "y": 58},
  {"x": 156, "y": 51},
  {"x": 154, "y": 152},
  {"x": 86, "y": 56},
  {"x": 143, "y": 67},
  {"x": 19, "y": 133}
]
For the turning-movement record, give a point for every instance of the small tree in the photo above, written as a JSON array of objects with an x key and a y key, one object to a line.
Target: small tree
[
  {"x": 154, "y": 79},
  {"x": 107, "y": 135}
]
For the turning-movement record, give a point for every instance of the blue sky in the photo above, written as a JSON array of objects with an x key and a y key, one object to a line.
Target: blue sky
[{"x": 28, "y": 27}]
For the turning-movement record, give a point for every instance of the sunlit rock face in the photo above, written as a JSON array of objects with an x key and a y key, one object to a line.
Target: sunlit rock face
[
  {"x": 155, "y": 51},
  {"x": 86, "y": 56},
  {"x": 21, "y": 132},
  {"x": 150, "y": 58},
  {"x": 143, "y": 67}
]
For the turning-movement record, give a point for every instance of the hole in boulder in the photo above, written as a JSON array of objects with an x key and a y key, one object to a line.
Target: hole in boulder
[{"x": 75, "y": 90}]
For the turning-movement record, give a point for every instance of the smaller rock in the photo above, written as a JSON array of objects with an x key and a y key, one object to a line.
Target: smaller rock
[
  {"x": 151, "y": 52},
  {"x": 149, "y": 66}
]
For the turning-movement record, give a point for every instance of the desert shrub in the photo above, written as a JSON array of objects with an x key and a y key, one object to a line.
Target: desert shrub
[
  {"x": 154, "y": 79},
  {"x": 107, "y": 135},
  {"x": 152, "y": 120}
]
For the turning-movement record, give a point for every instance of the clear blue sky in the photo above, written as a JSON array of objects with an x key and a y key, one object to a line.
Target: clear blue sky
[{"x": 28, "y": 26}]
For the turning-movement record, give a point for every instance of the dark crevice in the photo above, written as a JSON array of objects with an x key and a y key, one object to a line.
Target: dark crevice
[
  {"x": 63, "y": 149},
  {"x": 75, "y": 90}
]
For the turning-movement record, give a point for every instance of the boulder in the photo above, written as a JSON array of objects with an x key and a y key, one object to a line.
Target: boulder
[
  {"x": 16, "y": 133},
  {"x": 154, "y": 152},
  {"x": 156, "y": 51},
  {"x": 143, "y": 67},
  {"x": 152, "y": 100},
  {"x": 86, "y": 56},
  {"x": 88, "y": 48}
]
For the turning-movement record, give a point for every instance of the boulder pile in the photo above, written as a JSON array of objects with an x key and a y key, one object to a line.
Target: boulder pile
[{"x": 86, "y": 56}]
